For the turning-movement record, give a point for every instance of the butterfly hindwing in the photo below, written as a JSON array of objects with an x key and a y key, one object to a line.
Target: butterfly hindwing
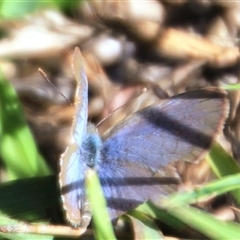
[{"x": 127, "y": 185}]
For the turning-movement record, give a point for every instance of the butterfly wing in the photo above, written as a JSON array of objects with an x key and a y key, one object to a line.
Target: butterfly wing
[
  {"x": 127, "y": 185},
  {"x": 71, "y": 177},
  {"x": 179, "y": 128}
]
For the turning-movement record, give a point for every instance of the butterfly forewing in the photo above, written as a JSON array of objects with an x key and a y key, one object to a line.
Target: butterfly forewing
[
  {"x": 180, "y": 128},
  {"x": 81, "y": 99},
  {"x": 72, "y": 167}
]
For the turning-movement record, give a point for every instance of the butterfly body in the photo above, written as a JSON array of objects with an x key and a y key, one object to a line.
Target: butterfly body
[{"x": 92, "y": 146}]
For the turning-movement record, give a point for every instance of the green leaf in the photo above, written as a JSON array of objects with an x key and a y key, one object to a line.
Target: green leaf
[
  {"x": 29, "y": 200},
  {"x": 221, "y": 162},
  {"x": 156, "y": 212},
  {"x": 17, "y": 150},
  {"x": 206, "y": 223},
  {"x": 212, "y": 189},
  {"x": 222, "y": 165},
  {"x": 231, "y": 86},
  {"x": 17, "y": 9},
  {"x": 101, "y": 220},
  {"x": 143, "y": 226}
]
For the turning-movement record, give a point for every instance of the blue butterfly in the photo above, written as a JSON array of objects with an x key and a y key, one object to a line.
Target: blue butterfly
[{"x": 128, "y": 157}]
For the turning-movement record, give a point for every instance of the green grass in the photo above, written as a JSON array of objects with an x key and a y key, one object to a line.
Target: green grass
[
  {"x": 18, "y": 9},
  {"x": 18, "y": 150}
]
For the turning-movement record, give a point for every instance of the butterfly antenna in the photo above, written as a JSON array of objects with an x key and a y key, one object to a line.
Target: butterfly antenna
[
  {"x": 136, "y": 95},
  {"x": 108, "y": 115},
  {"x": 44, "y": 75}
]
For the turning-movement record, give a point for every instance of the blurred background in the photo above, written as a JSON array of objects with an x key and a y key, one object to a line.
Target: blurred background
[
  {"x": 135, "y": 53},
  {"x": 127, "y": 46}
]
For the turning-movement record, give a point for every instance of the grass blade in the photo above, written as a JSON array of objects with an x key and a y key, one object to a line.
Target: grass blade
[
  {"x": 102, "y": 223},
  {"x": 18, "y": 150}
]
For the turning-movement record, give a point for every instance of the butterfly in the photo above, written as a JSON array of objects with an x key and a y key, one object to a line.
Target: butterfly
[{"x": 130, "y": 157}]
